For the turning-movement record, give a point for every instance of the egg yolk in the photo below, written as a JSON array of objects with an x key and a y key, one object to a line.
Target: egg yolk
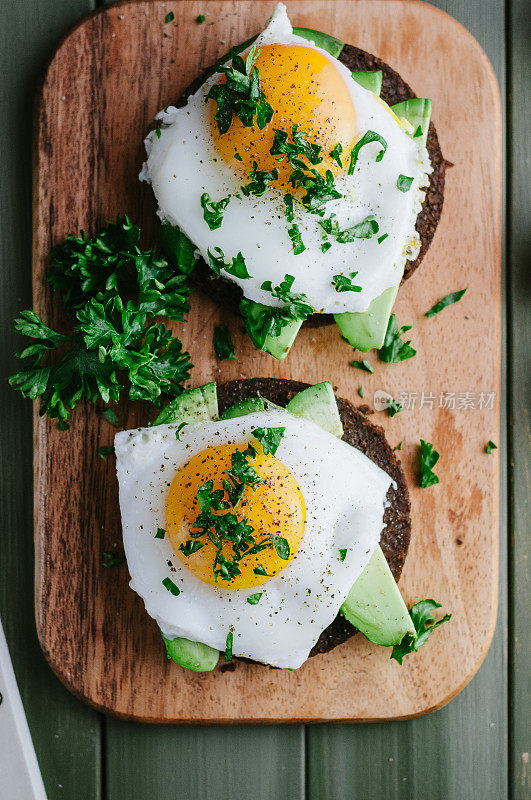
[
  {"x": 305, "y": 89},
  {"x": 274, "y": 508}
]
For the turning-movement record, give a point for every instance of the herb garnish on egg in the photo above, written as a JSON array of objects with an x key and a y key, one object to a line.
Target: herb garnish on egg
[
  {"x": 343, "y": 283},
  {"x": 241, "y": 95},
  {"x": 363, "y": 230},
  {"x": 259, "y": 181},
  {"x": 296, "y": 302},
  {"x": 404, "y": 183},
  {"x": 217, "y": 262},
  {"x": 367, "y": 138},
  {"x": 213, "y": 210}
]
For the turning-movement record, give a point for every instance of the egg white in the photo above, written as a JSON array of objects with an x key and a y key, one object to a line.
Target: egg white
[
  {"x": 345, "y": 496},
  {"x": 183, "y": 162}
]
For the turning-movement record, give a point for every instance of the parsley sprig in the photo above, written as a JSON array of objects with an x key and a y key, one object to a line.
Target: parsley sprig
[
  {"x": 259, "y": 181},
  {"x": 113, "y": 291},
  {"x": 423, "y": 618},
  {"x": 241, "y": 96},
  {"x": 394, "y": 349},
  {"x": 428, "y": 458}
]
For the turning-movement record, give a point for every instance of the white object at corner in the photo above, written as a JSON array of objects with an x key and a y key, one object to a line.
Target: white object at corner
[{"x": 20, "y": 777}]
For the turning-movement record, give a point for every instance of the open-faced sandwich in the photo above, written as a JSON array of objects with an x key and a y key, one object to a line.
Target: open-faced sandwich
[
  {"x": 265, "y": 519},
  {"x": 300, "y": 180}
]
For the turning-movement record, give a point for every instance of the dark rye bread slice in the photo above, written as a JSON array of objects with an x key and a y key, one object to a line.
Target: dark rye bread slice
[
  {"x": 394, "y": 90},
  {"x": 368, "y": 438}
]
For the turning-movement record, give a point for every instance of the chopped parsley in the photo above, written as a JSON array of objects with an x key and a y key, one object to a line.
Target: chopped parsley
[
  {"x": 448, "y": 300},
  {"x": 110, "y": 415},
  {"x": 170, "y": 17},
  {"x": 343, "y": 553},
  {"x": 382, "y": 238},
  {"x": 228, "y": 646},
  {"x": 297, "y": 303},
  {"x": 259, "y": 570},
  {"x": 295, "y": 235},
  {"x": 393, "y": 407},
  {"x": 288, "y": 202},
  {"x": 335, "y": 153},
  {"x": 213, "y": 210},
  {"x": 223, "y": 344},
  {"x": 281, "y": 546},
  {"x": 241, "y": 95},
  {"x": 217, "y": 262},
  {"x": 158, "y": 132},
  {"x": 343, "y": 283},
  {"x": 254, "y": 599},
  {"x": 367, "y": 138},
  {"x": 490, "y": 446},
  {"x": 200, "y": 19},
  {"x": 171, "y": 586},
  {"x": 191, "y": 546},
  {"x": 259, "y": 181},
  {"x": 105, "y": 450},
  {"x": 297, "y": 148},
  {"x": 423, "y": 618},
  {"x": 360, "y": 391},
  {"x": 325, "y": 246},
  {"x": 428, "y": 458},
  {"x": 160, "y": 534},
  {"x": 113, "y": 558},
  {"x": 399, "y": 446},
  {"x": 238, "y": 157},
  {"x": 366, "y": 365},
  {"x": 363, "y": 230},
  {"x": 113, "y": 292},
  {"x": 404, "y": 183},
  {"x": 394, "y": 349},
  {"x": 418, "y": 132},
  {"x": 269, "y": 438},
  {"x": 180, "y": 428}
]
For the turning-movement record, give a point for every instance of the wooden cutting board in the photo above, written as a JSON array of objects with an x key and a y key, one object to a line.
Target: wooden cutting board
[{"x": 106, "y": 81}]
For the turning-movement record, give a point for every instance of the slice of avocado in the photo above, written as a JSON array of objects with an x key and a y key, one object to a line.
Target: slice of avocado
[
  {"x": 256, "y": 317},
  {"x": 365, "y": 330},
  {"x": 375, "y": 606},
  {"x": 194, "y": 405},
  {"x": 417, "y": 111},
  {"x": 318, "y": 404},
  {"x": 177, "y": 248},
  {"x": 326, "y": 42},
  {"x": 369, "y": 80},
  {"x": 191, "y": 655},
  {"x": 244, "y": 407}
]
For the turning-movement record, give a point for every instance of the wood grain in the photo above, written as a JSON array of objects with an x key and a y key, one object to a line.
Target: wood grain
[{"x": 101, "y": 90}]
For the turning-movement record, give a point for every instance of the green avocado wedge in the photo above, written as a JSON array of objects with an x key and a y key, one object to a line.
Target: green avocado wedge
[
  {"x": 375, "y": 606},
  {"x": 330, "y": 44},
  {"x": 369, "y": 80},
  {"x": 318, "y": 404},
  {"x": 191, "y": 655},
  {"x": 257, "y": 320},
  {"x": 417, "y": 111},
  {"x": 193, "y": 405},
  {"x": 249, "y": 406},
  {"x": 365, "y": 330}
]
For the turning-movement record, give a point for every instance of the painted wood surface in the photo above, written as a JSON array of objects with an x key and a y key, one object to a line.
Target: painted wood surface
[
  {"x": 100, "y": 643},
  {"x": 467, "y": 740}
]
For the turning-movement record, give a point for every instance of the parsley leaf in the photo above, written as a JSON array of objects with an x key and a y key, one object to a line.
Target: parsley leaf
[
  {"x": 363, "y": 230},
  {"x": 297, "y": 303},
  {"x": 213, "y": 211},
  {"x": 223, "y": 344},
  {"x": 179, "y": 429},
  {"x": 299, "y": 146},
  {"x": 113, "y": 558},
  {"x": 343, "y": 283},
  {"x": 160, "y": 534},
  {"x": 259, "y": 570},
  {"x": 360, "y": 391},
  {"x": 281, "y": 546},
  {"x": 190, "y": 547},
  {"x": 382, "y": 238},
  {"x": 241, "y": 95},
  {"x": 110, "y": 415},
  {"x": 259, "y": 181},
  {"x": 394, "y": 349},
  {"x": 393, "y": 407},
  {"x": 169, "y": 17},
  {"x": 228, "y": 646},
  {"x": 171, "y": 587},
  {"x": 200, "y": 19},
  {"x": 404, "y": 183},
  {"x": 269, "y": 438},
  {"x": 366, "y": 365},
  {"x": 254, "y": 599},
  {"x": 418, "y": 132},
  {"x": 343, "y": 554},
  {"x": 105, "y": 450},
  {"x": 335, "y": 153},
  {"x": 237, "y": 268},
  {"x": 490, "y": 446},
  {"x": 448, "y": 300},
  {"x": 296, "y": 239},
  {"x": 423, "y": 620},
  {"x": 367, "y": 138},
  {"x": 428, "y": 458}
]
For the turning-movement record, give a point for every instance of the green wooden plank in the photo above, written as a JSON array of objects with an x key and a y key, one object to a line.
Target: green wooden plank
[
  {"x": 66, "y": 734},
  {"x": 519, "y": 140},
  {"x": 461, "y": 751},
  {"x": 200, "y": 763}
]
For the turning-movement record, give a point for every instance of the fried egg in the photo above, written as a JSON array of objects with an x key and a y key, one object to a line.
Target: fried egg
[
  {"x": 308, "y": 88},
  {"x": 319, "y": 495}
]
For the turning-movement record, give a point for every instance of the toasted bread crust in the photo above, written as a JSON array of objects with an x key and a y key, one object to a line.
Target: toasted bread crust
[{"x": 370, "y": 439}]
